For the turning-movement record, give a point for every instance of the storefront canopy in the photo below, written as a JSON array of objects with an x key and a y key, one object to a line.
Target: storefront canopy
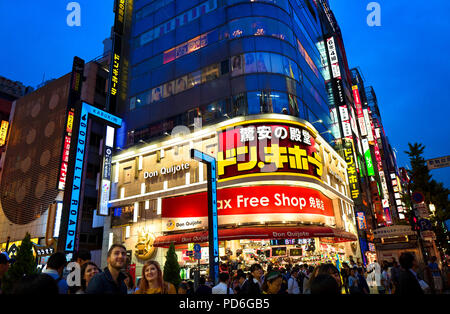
[{"x": 276, "y": 233}]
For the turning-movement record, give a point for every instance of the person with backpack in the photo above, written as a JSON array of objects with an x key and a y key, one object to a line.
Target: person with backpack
[{"x": 55, "y": 267}]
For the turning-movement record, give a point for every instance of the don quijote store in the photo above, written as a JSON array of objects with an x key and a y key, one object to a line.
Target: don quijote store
[{"x": 282, "y": 196}]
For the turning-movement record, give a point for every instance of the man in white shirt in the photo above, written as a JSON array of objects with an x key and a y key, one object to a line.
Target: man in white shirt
[
  {"x": 222, "y": 286},
  {"x": 293, "y": 283}
]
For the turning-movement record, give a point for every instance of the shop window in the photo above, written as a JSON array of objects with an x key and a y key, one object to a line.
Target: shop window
[
  {"x": 240, "y": 104},
  {"x": 293, "y": 105},
  {"x": 250, "y": 62},
  {"x": 169, "y": 89},
  {"x": 210, "y": 73},
  {"x": 127, "y": 174},
  {"x": 194, "y": 79},
  {"x": 132, "y": 103},
  {"x": 181, "y": 84},
  {"x": 263, "y": 62},
  {"x": 276, "y": 61},
  {"x": 157, "y": 93},
  {"x": 236, "y": 65},
  {"x": 225, "y": 67},
  {"x": 254, "y": 102}
]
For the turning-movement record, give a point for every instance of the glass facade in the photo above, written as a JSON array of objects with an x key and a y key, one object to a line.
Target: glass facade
[{"x": 218, "y": 59}]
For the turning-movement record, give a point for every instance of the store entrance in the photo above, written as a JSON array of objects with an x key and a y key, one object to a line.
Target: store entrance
[{"x": 241, "y": 254}]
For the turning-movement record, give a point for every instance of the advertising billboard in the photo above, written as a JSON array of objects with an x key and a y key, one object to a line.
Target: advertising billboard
[
  {"x": 268, "y": 147},
  {"x": 349, "y": 158},
  {"x": 248, "y": 205},
  {"x": 359, "y": 110},
  {"x": 368, "y": 157},
  {"x": 3, "y": 132}
]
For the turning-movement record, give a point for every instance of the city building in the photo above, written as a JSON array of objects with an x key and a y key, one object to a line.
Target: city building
[
  {"x": 37, "y": 159},
  {"x": 288, "y": 208},
  {"x": 9, "y": 91},
  {"x": 197, "y": 68}
]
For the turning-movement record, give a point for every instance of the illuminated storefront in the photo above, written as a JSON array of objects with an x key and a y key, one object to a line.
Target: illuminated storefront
[{"x": 282, "y": 194}]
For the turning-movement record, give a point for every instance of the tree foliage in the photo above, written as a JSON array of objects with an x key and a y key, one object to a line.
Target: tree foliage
[
  {"x": 171, "y": 267},
  {"x": 435, "y": 193},
  {"x": 24, "y": 265}
]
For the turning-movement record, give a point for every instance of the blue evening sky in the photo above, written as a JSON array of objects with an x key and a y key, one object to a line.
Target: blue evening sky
[{"x": 405, "y": 59}]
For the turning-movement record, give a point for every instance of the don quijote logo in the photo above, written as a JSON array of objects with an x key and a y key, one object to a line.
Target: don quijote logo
[{"x": 170, "y": 225}]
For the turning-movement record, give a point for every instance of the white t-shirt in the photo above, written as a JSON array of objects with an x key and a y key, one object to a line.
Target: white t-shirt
[{"x": 221, "y": 288}]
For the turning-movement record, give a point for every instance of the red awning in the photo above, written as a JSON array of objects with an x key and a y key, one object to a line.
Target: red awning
[{"x": 258, "y": 233}]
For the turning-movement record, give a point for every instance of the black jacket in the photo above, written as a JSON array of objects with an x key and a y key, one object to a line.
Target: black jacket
[
  {"x": 249, "y": 287},
  {"x": 103, "y": 283},
  {"x": 203, "y": 290},
  {"x": 408, "y": 284}
]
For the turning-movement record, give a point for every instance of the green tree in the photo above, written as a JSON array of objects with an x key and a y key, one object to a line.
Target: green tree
[
  {"x": 24, "y": 265},
  {"x": 171, "y": 267},
  {"x": 435, "y": 193}
]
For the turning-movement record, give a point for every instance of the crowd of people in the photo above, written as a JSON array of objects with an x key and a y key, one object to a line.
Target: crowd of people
[{"x": 403, "y": 278}]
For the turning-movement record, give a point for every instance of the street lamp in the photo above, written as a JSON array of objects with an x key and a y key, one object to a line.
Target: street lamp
[{"x": 213, "y": 237}]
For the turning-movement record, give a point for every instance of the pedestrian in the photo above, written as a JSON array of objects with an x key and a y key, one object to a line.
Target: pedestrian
[
  {"x": 301, "y": 278},
  {"x": 111, "y": 280},
  {"x": 293, "y": 287},
  {"x": 326, "y": 268},
  {"x": 362, "y": 282},
  {"x": 55, "y": 268},
  {"x": 324, "y": 284},
  {"x": 5, "y": 262},
  {"x": 395, "y": 275},
  {"x": 152, "y": 281},
  {"x": 385, "y": 280},
  {"x": 36, "y": 284},
  {"x": 82, "y": 257},
  {"x": 242, "y": 283},
  {"x": 353, "y": 283},
  {"x": 374, "y": 269},
  {"x": 272, "y": 283},
  {"x": 202, "y": 288},
  {"x": 345, "y": 272},
  {"x": 183, "y": 288},
  {"x": 129, "y": 282},
  {"x": 408, "y": 281},
  {"x": 437, "y": 276},
  {"x": 284, "y": 282},
  {"x": 308, "y": 272},
  {"x": 255, "y": 279},
  {"x": 190, "y": 287},
  {"x": 88, "y": 271},
  {"x": 223, "y": 286}
]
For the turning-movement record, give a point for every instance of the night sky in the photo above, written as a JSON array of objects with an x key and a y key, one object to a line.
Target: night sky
[{"x": 406, "y": 59}]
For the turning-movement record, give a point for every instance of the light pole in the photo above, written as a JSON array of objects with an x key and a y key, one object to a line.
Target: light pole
[{"x": 213, "y": 237}]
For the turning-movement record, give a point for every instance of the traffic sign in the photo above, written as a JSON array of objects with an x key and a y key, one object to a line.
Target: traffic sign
[
  {"x": 197, "y": 255},
  {"x": 418, "y": 197},
  {"x": 197, "y": 248},
  {"x": 189, "y": 253},
  {"x": 425, "y": 224}
]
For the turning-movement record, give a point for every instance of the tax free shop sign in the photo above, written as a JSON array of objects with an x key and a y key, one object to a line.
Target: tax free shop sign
[{"x": 249, "y": 205}]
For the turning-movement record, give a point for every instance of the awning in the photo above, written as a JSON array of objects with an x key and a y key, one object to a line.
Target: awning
[{"x": 275, "y": 233}]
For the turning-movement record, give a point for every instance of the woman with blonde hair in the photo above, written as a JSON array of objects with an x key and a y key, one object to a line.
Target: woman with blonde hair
[{"x": 152, "y": 280}]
